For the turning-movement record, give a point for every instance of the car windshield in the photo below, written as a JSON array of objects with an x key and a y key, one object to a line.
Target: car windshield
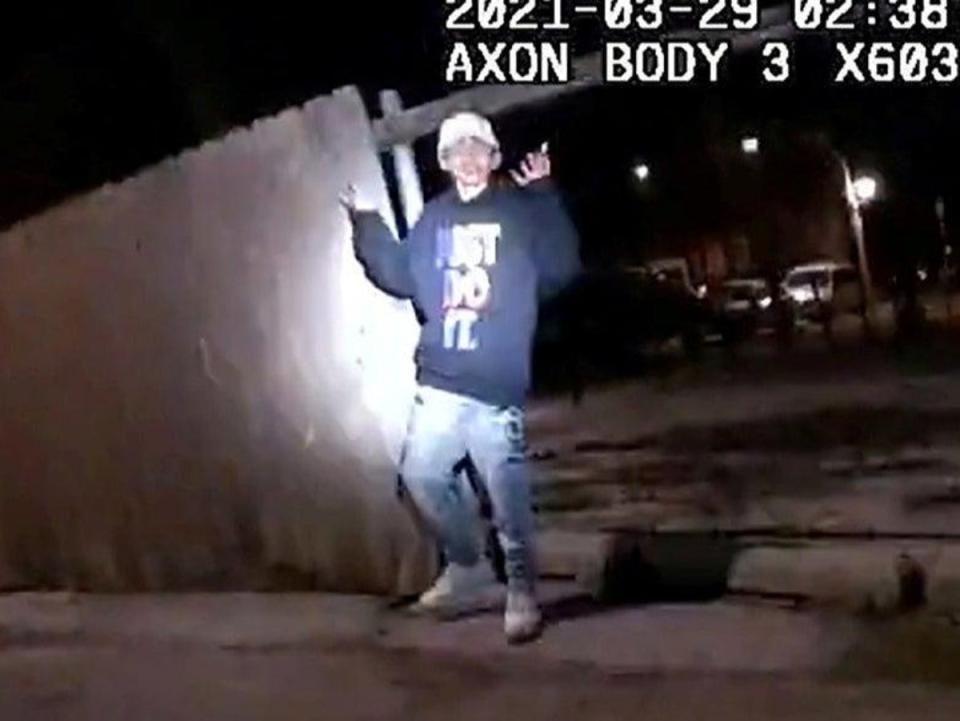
[
  {"x": 807, "y": 278},
  {"x": 741, "y": 292}
]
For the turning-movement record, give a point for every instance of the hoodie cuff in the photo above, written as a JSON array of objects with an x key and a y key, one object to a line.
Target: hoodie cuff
[
  {"x": 365, "y": 216},
  {"x": 543, "y": 185}
]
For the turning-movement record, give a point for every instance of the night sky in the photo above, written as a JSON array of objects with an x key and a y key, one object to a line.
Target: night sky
[{"x": 94, "y": 92}]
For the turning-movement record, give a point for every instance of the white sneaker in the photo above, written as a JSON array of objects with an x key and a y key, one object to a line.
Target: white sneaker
[
  {"x": 462, "y": 589},
  {"x": 522, "y": 620}
]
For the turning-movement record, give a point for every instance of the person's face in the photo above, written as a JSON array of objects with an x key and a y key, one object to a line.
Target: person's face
[{"x": 471, "y": 162}]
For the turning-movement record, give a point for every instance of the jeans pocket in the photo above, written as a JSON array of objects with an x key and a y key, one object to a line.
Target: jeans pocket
[{"x": 514, "y": 432}]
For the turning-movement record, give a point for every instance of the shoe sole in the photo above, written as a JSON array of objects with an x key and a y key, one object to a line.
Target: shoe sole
[
  {"x": 517, "y": 639},
  {"x": 483, "y": 602}
]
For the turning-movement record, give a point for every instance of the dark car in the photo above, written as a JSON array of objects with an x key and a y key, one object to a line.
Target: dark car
[
  {"x": 609, "y": 318},
  {"x": 748, "y": 305}
]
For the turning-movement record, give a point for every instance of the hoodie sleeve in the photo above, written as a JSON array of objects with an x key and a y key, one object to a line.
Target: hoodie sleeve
[
  {"x": 385, "y": 261},
  {"x": 556, "y": 241}
]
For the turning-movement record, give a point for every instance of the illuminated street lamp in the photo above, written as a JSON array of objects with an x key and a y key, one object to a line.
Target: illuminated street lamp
[
  {"x": 750, "y": 145},
  {"x": 642, "y": 171},
  {"x": 858, "y": 193},
  {"x": 865, "y": 189}
]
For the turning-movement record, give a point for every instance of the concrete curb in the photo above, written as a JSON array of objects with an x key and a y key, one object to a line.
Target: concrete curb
[
  {"x": 639, "y": 567},
  {"x": 231, "y": 620},
  {"x": 873, "y": 576},
  {"x": 38, "y": 616},
  {"x": 943, "y": 581},
  {"x": 855, "y": 579},
  {"x": 854, "y": 576}
]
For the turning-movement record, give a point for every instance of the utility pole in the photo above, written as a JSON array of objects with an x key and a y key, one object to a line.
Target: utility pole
[
  {"x": 404, "y": 162},
  {"x": 855, "y": 219},
  {"x": 944, "y": 275}
]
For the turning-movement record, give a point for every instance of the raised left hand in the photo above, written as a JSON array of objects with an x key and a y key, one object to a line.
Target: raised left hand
[{"x": 536, "y": 166}]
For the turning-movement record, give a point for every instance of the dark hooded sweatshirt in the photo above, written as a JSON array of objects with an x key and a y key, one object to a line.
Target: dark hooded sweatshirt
[{"x": 475, "y": 272}]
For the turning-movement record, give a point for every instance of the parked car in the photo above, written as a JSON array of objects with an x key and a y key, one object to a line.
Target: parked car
[
  {"x": 672, "y": 270},
  {"x": 610, "y": 317},
  {"x": 748, "y": 304},
  {"x": 822, "y": 288},
  {"x": 746, "y": 295}
]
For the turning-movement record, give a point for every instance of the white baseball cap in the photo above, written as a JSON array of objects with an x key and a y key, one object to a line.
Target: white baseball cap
[{"x": 462, "y": 126}]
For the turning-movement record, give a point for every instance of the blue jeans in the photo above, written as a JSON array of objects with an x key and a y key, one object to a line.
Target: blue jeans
[{"x": 445, "y": 427}]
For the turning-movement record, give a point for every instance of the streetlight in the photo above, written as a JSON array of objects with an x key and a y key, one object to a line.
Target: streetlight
[
  {"x": 865, "y": 189},
  {"x": 750, "y": 145},
  {"x": 858, "y": 193},
  {"x": 642, "y": 171}
]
